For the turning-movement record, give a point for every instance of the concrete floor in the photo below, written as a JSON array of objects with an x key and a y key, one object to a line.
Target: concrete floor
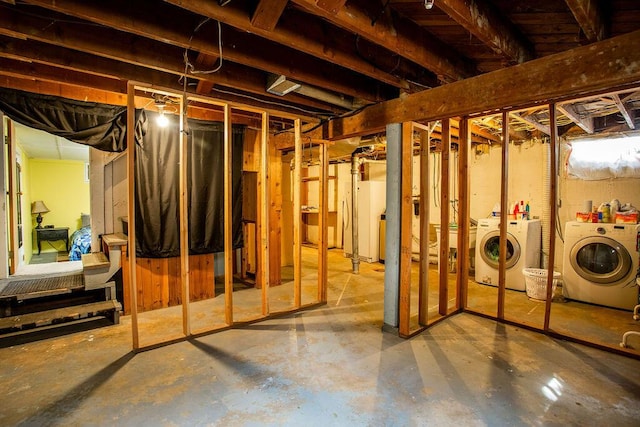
[{"x": 329, "y": 366}]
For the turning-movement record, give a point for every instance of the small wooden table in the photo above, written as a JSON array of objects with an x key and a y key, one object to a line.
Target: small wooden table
[{"x": 52, "y": 235}]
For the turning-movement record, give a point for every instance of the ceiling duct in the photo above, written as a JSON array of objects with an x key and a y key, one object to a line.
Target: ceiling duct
[{"x": 279, "y": 85}]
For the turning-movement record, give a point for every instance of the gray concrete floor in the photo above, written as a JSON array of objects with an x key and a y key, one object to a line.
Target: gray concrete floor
[{"x": 329, "y": 366}]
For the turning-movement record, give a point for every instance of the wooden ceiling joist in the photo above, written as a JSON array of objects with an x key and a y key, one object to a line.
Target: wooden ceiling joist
[
  {"x": 331, "y": 6},
  {"x": 588, "y": 14},
  {"x": 624, "y": 111},
  {"x": 399, "y": 35},
  {"x": 600, "y": 66},
  {"x": 167, "y": 25},
  {"x": 267, "y": 14},
  {"x": 493, "y": 30},
  {"x": 531, "y": 121},
  {"x": 571, "y": 112}
]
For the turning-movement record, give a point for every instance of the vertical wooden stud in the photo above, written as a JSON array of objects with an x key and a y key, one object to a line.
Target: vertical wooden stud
[
  {"x": 323, "y": 223},
  {"x": 443, "y": 263},
  {"x": 131, "y": 208},
  {"x": 553, "y": 182},
  {"x": 406, "y": 208},
  {"x": 12, "y": 191},
  {"x": 184, "y": 222},
  {"x": 464, "y": 145},
  {"x": 228, "y": 217},
  {"x": 297, "y": 216},
  {"x": 504, "y": 194},
  {"x": 264, "y": 213},
  {"x": 423, "y": 286}
]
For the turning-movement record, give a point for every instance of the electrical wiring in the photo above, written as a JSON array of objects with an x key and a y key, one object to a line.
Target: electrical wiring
[{"x": 190, "y": 66}]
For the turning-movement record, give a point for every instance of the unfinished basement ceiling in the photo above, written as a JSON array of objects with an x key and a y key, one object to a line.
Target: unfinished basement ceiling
[{"x": 340, "y": 55}]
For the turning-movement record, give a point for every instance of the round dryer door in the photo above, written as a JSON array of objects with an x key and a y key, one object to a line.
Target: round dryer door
[
  {"x": 490, "y": 249},
  {"x": 600, "y": 260}
]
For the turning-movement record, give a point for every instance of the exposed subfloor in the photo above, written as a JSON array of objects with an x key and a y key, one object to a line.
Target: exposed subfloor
[{"x": 328, "y": 366}]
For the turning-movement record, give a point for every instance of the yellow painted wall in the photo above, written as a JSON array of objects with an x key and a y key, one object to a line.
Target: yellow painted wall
[
  {"x": 25, "y": 167},
  {"x": 61, "y": 186}
]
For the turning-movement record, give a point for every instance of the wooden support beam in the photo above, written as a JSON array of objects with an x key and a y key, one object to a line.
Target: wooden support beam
[
  {"x": 264, "y": 269},
  {"x": 571, "y": 112},
  {"x": 589, "y": 16},
  {"x": 504, "y": 207},
  {"x": 443, "y": 263},
  {"x": 598, "y": 67},
  {"x": 399, "y": 35},
  {"x": 228, "y": 215},
  {"x": 131, "y": 212},
  {"x": 297, "y": 216},
  {"x": 267, "y": 13},
  {"x": 626, "y": 113},
  {"x": 323, "y": 223},
  {"x": 184, "y": 221},
  {"x": 331, "y": 6},
  {"x": 176, "y": 28},
  {"x": 553, "y": 196},
  {"x": 485, "y": 23},
  {"x": 464, "y": 215},
  {"x": 115, "y": 47},
  {"x": 406, "y": 214},
  {"x": 532, "y": 122},
  {"x": 425, "y": 201}
]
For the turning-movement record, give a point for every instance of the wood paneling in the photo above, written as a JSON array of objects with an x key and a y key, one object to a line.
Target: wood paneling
[{"x": 159, "y": 284}]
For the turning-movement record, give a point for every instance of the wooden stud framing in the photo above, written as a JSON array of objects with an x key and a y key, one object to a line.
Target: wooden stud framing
[
  {"x": 297, "y": 216},
  {"x": 504, "y": 193},
  {"x": 12, "y": 187},
  {"x": 443, "y": 299},
  {"x": 228, "y": 215},
  {"x": 423, "y": 286},
  {"x": 184, "y": 223},
  {"x": 264, "y": 214},
  {"x": 406, "y": 206},
  {"x": 323, "y": 222},
  {"x": 553, "y": 182},
  {"x": 464, "y": 147},
  {"x": 131, "y": 208}
]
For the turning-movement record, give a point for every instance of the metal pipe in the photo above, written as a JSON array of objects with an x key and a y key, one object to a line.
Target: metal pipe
[{"x": 355, "y": 255}]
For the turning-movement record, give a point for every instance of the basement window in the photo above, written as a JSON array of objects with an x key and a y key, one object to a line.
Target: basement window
[{"x": 604, "y": 158}]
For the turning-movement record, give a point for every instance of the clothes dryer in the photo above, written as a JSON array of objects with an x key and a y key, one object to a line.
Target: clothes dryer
[
  {"x": 600, "y": 263},
  {"x": 523, "y": 251}
]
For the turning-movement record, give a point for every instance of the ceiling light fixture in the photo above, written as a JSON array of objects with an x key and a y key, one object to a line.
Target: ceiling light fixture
[
  {"x": 428, "y": 4},
  {"x": 161, "y": 120}
]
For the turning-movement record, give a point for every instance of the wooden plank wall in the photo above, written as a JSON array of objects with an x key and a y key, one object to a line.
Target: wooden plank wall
[{"x": 158, "y": 281}]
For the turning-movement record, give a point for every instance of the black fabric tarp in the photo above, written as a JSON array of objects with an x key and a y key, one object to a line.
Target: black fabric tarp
[
  {"x": 157, "y": 188},
  {"x": 103, "y": 127},
  {"x": 100, "y": 126}
]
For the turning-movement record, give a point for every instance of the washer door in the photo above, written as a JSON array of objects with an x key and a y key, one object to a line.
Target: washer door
[
  {"x": 490, "y": 249},
  {"x": 600, "y": 260}
]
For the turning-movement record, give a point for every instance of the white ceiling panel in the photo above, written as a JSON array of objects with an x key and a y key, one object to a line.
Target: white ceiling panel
[{"x": 42, "y": 145}]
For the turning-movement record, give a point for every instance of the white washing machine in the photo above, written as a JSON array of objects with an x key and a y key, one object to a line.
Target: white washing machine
[
  {"x": 523, "y": 250},
  {"x": 600, "y": 263}
]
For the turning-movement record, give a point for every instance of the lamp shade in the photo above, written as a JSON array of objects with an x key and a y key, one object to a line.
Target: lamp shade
[{"x": 39, "y": 207}]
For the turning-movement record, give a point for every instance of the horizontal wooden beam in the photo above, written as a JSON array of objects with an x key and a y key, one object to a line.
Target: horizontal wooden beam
[
  {"x": 624, "y": 111},
  {"x": 600, "y": 66},
  {"x": 532, "y": 122},
  {"x": 177, "y": 27},
  {"x": 399, "y": 35},
  {"x": 267, "y": 12},
  {"x": 484, "y": 22},
  {"x": 588, "y": 14},
  {"x": 570, "y": 111}
]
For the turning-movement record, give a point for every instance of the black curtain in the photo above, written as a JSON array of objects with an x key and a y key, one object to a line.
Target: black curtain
[
  {"x": 157, "y": 187},
  {"x": 101, "y": 126}
]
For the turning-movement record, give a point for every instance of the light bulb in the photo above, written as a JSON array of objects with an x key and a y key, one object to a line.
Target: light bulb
[{"x": 162, "y": 120}]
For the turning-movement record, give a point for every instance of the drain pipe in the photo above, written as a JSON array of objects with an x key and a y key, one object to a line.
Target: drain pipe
[{"x": 355, "y": 172}]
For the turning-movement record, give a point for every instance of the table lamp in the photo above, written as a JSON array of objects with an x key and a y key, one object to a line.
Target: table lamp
[{"x": 38, "y": 207}]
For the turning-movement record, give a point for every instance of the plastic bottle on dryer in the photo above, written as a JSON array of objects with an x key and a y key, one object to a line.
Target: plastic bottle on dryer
[{"x": 526, "y": 209}]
